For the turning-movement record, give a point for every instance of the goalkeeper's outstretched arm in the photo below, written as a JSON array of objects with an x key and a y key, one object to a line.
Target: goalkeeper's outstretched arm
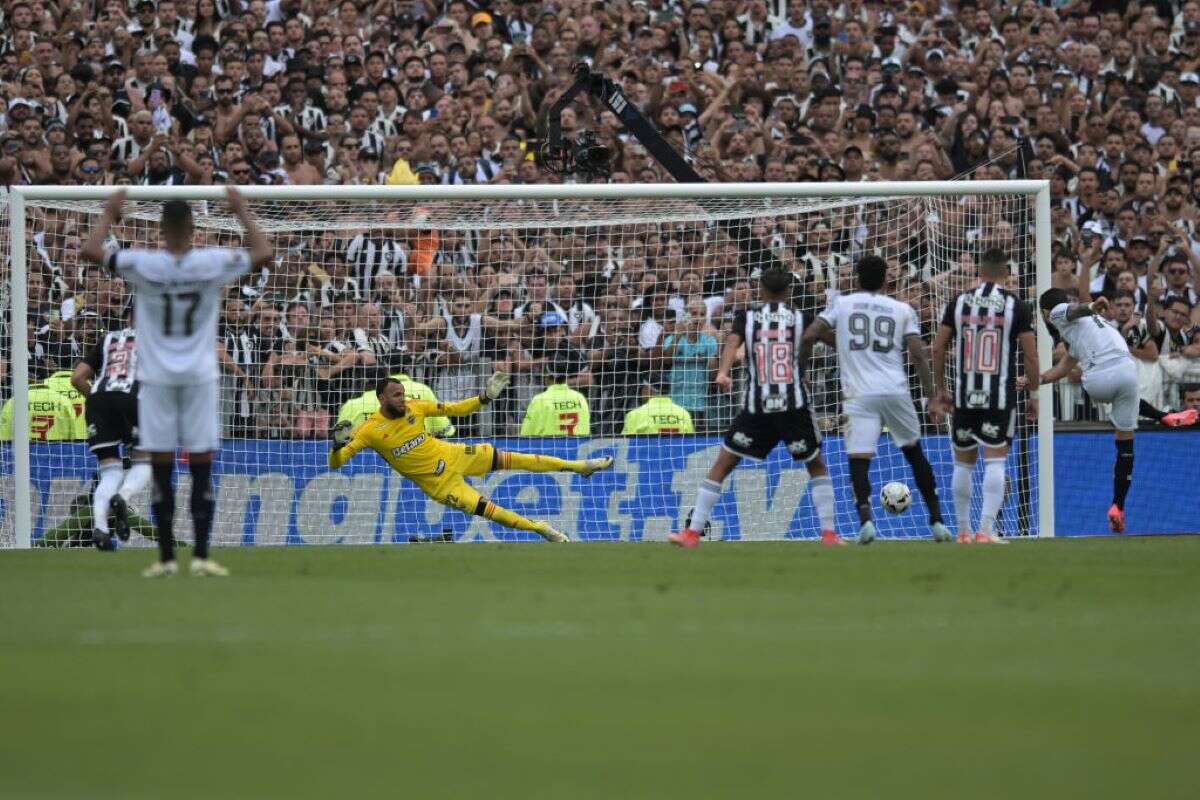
[
  {"x": 494, "y": 388},
  {"x": 346, "y": 443}
]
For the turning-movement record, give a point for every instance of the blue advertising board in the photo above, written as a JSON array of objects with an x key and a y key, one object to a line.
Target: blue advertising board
[{"x": 282, "y": 492}]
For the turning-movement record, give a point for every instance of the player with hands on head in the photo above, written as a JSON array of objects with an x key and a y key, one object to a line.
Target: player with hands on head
[
  {"x": 986, "y": 326},
  {"x": 397, "y": 433},
  {"x": 177, "y": 299}
]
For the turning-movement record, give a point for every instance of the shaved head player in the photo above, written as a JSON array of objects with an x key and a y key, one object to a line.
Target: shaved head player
[{"x": 177, "y": 298}]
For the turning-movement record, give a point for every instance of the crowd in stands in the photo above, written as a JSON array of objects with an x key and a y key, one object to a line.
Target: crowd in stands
[{"x": 1102, "y": 98}]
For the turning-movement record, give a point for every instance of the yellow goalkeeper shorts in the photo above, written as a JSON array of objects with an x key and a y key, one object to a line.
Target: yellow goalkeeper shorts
[{"x": 449, "y": 488}]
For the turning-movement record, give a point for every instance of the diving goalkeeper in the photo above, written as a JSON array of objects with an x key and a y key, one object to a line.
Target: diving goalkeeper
[{"x": 397, "y": 432}]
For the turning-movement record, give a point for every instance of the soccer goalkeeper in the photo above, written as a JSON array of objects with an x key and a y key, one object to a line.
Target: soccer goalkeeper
[{"x": 397, "y": 432}]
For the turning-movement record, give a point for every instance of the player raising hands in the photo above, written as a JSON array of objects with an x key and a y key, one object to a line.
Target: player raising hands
[{"x": 397, "y": 433}]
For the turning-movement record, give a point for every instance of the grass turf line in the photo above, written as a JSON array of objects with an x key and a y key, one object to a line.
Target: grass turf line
[{"x": 1064, "y": 668}]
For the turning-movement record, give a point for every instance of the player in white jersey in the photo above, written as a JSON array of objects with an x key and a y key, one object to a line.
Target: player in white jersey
[
  {"x": 1109, "y": 376},
  {"x": 873, "y": 332},
  {"x": 177, "y": 298}
]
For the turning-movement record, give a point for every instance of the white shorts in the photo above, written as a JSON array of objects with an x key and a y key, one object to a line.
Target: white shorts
[
  {"x": 1117, "y": 384},
  {"x": 867, "y": 416},
  {"x": 178, "y": 416}
]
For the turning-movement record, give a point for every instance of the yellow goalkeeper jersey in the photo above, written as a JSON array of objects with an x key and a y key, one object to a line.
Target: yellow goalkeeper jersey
[
  {"x": 658, "y": 415},
  {"x": 558, "y": 411},
  {"x": 51, "y": 418},
  {"x": 61, "y": 382},
  {"x": 404, "y": 442},
  {"x": 357, "y": 409}
]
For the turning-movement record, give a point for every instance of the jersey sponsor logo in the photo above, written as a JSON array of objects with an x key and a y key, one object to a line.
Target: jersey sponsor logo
[
  {"x": 565, "y": 405},
  {"x": 409, "y": 445},
  {"x": 995, "y": 301},
  {"x": 774, "y": 403},
  {"x": 990, "y": 429},
  {"x": 666, "y": 419},
  {"x": 977, "y": 399},
  {"x": 798, "y": 448},
  {"x": 963, "y": 434},
  {"x": 441, "y": 467},
  {"x": 742, "y": 440},
  {"x": 767, "y": 317}
]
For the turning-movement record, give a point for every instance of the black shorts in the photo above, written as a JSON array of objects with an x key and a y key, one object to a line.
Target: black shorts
[
  {"x": 970, "y": 428},
  {"x": 755, "y": 435},
  {"x": 111, "y": 420}
]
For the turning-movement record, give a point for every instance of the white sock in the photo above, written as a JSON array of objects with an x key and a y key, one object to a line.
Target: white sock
[
  {"x": 993, "y": 492},
  {"x": 135, "y": 479},
  {"x": 822, "y": 498},
  {"x": 706, "y": 498},
  {"x": 961, "y": 486},
  {"x": 110, "y": 480}
]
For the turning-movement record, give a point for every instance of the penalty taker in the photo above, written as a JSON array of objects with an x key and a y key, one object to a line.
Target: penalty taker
[{"x": 397, "y": 433}]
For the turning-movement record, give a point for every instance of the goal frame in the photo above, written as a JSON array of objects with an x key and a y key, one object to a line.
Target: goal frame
[{"x": 20, "y": 196}]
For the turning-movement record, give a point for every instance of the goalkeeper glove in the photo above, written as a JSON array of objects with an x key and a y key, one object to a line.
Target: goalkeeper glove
[
  {"x": 341, "y": 433},
  {"x": 496, "y": 385}
]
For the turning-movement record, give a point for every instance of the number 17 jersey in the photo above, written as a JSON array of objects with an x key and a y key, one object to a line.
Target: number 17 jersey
[
  {"x": 176, "y": 303},
  {"x": 871, "y": 330}
]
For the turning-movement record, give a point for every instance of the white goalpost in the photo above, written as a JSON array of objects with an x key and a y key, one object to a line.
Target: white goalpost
[{"x": 625, "y": 291}]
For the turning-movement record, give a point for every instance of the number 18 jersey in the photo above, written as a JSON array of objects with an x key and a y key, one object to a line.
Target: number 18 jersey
[
  {"x": 176, "y": 303},
  {"x": 871, "y": 330},
  {"x": 771, "y": 336}
]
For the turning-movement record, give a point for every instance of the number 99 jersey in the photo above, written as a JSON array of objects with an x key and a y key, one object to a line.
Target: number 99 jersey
[{"x": 871, "y": 330}]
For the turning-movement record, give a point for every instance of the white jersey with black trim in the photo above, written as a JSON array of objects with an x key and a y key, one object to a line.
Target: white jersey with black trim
[
  {"x": 176, "y": 303},
  {"x": 871, "y": 332},
  {"x": 1091, "y": 339}
]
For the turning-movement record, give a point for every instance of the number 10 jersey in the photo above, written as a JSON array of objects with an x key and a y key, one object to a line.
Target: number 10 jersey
[{"x": 871, "y": 330}]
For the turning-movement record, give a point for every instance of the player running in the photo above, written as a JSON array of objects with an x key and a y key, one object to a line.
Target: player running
[
  {"x": 872, "y": 332},
  {"x": 397, "y": 433},
  {"x": 775, "y": 407},
  {"x": 987, "y": 325},
  {"x": 107, "y": 376},
  {"x": 177, "y": 300}
]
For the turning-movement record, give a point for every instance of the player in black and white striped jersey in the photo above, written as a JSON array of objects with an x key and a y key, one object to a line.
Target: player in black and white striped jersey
[
  {"x": 775, "y": 407},
  {"x": 986, "y": 325},
  {"x": 107, "y": 376}
]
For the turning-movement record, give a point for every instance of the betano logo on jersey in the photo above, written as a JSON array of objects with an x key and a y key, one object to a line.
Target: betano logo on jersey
[
  {"x": 784, "y": 316},
  {"x": 409, "y": 445}
]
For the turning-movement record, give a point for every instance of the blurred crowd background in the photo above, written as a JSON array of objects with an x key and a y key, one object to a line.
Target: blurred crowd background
[{"x": 1101, "y": 98}]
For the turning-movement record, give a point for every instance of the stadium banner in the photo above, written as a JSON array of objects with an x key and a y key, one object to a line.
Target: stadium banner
[{"x": 281, "y": 492}]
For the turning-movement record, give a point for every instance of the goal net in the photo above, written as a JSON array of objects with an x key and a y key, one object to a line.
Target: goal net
[{"x": 625, "y": 293}]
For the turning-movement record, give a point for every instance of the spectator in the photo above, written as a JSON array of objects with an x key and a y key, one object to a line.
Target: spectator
[{"x": 691, "y": 355}]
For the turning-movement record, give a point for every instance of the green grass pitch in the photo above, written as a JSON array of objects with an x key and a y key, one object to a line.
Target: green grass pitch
[{"x": 1043, "y": 669}]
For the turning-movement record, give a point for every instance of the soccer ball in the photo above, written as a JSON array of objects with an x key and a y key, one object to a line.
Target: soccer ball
[{"x": 895, "y": 497}]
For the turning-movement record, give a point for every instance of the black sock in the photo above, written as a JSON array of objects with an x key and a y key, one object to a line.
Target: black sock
[
  {"x": 1149, "y": 411},
  {"x": 860, "y": 478},
  {"x": 201, "y": 505},
  {"x": 1122, "y": 472},
  {"x": 163, "y": 506},
  {"x": 923, "y": 475}
]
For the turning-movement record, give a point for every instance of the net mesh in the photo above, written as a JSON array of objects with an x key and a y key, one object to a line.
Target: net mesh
[{"x": 627, "y": 298}]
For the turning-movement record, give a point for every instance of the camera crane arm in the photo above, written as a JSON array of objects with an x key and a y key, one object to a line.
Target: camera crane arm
[
  {"x": 559, "y": 156},
  {"x": 562, "y": 157}
]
